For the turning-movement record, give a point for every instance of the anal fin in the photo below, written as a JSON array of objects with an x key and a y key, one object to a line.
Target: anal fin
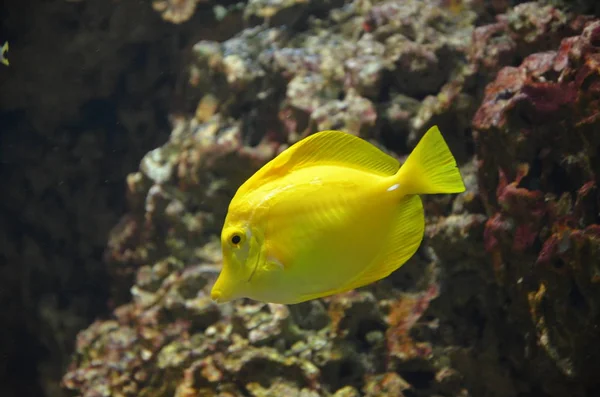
[{"x": 401, "y": 244}]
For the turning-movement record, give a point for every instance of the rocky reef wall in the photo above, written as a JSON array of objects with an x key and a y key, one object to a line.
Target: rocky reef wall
[
  {"x": 501, "y": 299},
  {"x": 87, "y": 93}
]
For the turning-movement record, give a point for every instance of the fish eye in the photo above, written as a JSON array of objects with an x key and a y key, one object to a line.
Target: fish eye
[{"x": 235, "y": 238}]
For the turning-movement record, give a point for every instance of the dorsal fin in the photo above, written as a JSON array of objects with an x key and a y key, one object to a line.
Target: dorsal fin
[{"x": 325, "y": 148}]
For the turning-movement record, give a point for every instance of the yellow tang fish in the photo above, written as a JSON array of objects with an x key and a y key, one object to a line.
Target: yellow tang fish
[{"x": 329, "y": 214}]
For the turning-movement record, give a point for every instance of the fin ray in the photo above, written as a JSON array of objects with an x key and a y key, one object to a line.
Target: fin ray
[
  {"x": 326, "y": 147},
  {"x": 431, "y": 168},
  {"x": 402, "y": 243}
]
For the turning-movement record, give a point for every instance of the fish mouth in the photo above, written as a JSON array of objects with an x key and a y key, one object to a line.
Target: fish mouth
[
  {"x": 216, "y": 296},
  {"x": 221, "y": 290}
]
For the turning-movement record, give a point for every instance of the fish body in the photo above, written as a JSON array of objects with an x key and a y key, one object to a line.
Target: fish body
[
  {"x": 329, "y": 214},
  {"x": 3, "y": 52}
]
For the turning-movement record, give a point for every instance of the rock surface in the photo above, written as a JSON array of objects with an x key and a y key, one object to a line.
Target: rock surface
[
  {"x": 538, "y": 170},
  {"x": 500, "y": 301},
  {"x": 439, "y": 325},
  {"x": 87, "y": 94}
]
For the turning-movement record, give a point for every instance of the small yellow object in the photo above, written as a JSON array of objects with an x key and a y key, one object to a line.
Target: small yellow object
[
  {"x": 329, "y": 214},
  {"x": 3, "y": 51}
]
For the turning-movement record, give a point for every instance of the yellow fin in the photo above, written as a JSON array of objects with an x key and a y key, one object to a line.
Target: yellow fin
[
  {"x": 400, "y": 245},
  {"x": 4, "y": 50},
  {"x": 430, "y": 168},
  {"x": 325, "y": 148}
]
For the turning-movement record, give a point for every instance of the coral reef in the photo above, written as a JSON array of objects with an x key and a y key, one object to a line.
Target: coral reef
[
  {"x": 343, "y": 73},
  {"x": 501, "y": 299},
  {"x": 522, "y": 30},
  {"x": 175, "y": 11},
  {"x": 86, "y": 95},
  {"x": 173, "y": 340},
  {"x": 250, "y": 97},
  {"x": 538, "y": 171},
  {"x": 451, "y": 321}
]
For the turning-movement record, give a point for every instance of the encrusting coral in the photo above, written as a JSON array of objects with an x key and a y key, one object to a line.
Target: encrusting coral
[
  {"x": 383, "y": 70},
  {"x": 538, "y": 171}
]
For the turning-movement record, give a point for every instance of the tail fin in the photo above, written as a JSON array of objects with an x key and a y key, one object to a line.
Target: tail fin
[{"x": 430, "y": 168}]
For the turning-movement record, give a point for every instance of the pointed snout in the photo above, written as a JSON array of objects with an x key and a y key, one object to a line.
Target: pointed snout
[
  {"x": 215, "y": 295},
  {"x": 223, "y": 290}
]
